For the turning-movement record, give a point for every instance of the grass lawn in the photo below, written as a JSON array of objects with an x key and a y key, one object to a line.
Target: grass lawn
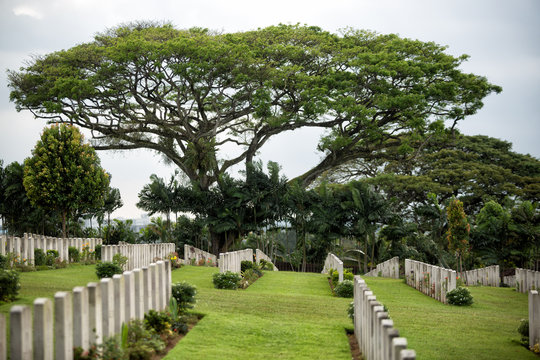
[
  {"x": 283, "y": 315},
  {"x": 486, "y": 330}
]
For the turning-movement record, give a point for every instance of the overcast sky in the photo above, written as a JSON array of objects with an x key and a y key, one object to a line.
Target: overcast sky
[{"x": 502, "y": 38}]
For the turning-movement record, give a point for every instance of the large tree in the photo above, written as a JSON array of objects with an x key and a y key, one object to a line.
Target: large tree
[
  {"x": 190, "y": 94},
  {"x": 64, "y": 174}
]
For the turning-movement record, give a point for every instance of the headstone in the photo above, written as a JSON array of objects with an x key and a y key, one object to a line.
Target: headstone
[
  {"x": 119, "y": 302},
  {"x": 63, "y": 326},
  {"x": 94, "y": 313},
  {"x": 20, "y": 327},
  {"x": 43, "y": 329},
  {"x": 107, "y": 307},
  {"x": 81, "y": 337}
]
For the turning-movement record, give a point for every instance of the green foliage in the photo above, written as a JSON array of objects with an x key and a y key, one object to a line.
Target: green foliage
[
  {"x": 64, "y": 173},
  {"x": 4, "y": 261},
  {"x": 74, "y": 254},
  {"x": 158, "y": 321},
  {"x": 39, "y": 257},
  {"x": 266, "y": 265},
  {"x": 119, "y": 231},
  {"x": 120, "y": 260},
  {"x": 350, "y": 311},
  {"x": 98, "y": 251},
  {"x": 51, "y": 257},
  {"x": 184, "y": 294},
  {"x": 9, "y": 285},
  {"x": 460, "y": 296},
  {"x": 344, "y": 289},
  {"x": 246, "y": 264},
  {"x": 107, "y": 269},
  {"x": 143, "y": 343},
  {"x": 523, "y": 328},
  {"x": 226, "y": 280}
]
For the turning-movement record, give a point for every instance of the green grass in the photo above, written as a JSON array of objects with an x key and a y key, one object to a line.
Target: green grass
[
  {"x": 283, "y": 315},
  {"x": 486, "y": 330},
  {"x": 46, "y": 283}
]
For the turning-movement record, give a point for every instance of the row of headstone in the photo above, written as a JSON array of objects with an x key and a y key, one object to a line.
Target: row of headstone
[
  {"x": 24, "y": 247},
  {"x": 374, "y": 330},
  {"x": 527, "y": 280},
  {"x": 198, "y": 255},
  {"x": 534, "y": 318},
  {"x": 139, "y": 255},
  {"x": 260, "y": 255},
  {"x": 387, "y": 269},
  {"x": 333, "y": 262},
  {"x": 431, "y": 280},
  {"x": 85, "y": 316},
  {"x": 231, "y": 261},
  {"x": 488, "y": 276},
  {"x": 510, "y": 280}
]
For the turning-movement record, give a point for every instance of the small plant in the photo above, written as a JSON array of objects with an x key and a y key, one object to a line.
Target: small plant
[
  {"x": 350, "y": 311},
  {"x": 246, "y": 264},
  {"x": 159, "y": 321},
  {"x": 4, "y": 261},
  {"x": 460, "y": 297},
  {"x": 9, "y": 285},
  {"x": 459, "y": 282},
  {"x": 87, "y": 255},
  {"x": 226, "y": 280},
  {"x": 120, "y": 260},
  {"x": 175, "y": 262},
  {"x": 97, "y": 252},
  {"x": 59, "y": 263},
  {"x": 107, "y": 269},
  {"x": 184, "y": 294},
  {"x": 142, "y": 343},
  {"x": 523, "y": 330},
  {"x": 201, "y": 262},
  {"x": 74, "y": 254},
  {"x": 192, "y": 261},
  {"x": 345, "y": 289},
  {"x": 209, "y": 262},
  {"x": 266, "y": 265},
  {"x": 39, "y": 257},
  {"x": 347, "y": 275}
]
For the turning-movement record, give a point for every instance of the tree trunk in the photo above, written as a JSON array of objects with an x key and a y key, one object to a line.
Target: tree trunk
[{"x": 365, "y": 254}]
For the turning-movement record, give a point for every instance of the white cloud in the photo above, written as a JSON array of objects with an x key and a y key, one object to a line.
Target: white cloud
[{"x": 25, "y": 10}]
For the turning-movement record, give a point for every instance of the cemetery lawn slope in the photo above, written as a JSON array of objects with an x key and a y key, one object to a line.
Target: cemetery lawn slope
[
  {"x": 487, "y": 330},
  {"x": 283, "y": 315}
]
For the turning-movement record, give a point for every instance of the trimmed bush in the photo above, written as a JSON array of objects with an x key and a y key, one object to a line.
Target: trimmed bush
[
  {"x": 107, "y": 269},
  {"x": 184, "y": 293},
  {"x": 345, "y": 289},
  {"x": 157, "y": 320},
  {"x": 459, "y": 296},
  {"x": 347, "y": 275},
  {"x": 9, "y": 285},
  {"x": 74, "y": 254},
  {"x": 265, "y": 265},
  {"x": 97, "y": 252},
  {"x": 226, "y": 280},
  {"x": 246, "y": 264},
  {"x": 39, "y": 257}
]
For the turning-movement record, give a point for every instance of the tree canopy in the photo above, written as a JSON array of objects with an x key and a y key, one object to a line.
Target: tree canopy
[
  {"x": 190, "y": 94},
  {"x": 64, "y": 174}
]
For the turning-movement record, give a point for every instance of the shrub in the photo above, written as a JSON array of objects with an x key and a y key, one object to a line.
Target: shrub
[
  {"x": 523, "y": 328},
  {"x": 460, "y": 297},
  {"x": 3, "y": 262},
  {"x": 226, "y": 280},
  {"x": 175, "y": 262},
  {"x": 74, "y": 254},
  {"x": 120, "y": 260},
  {"x": 9, "y": 285},
  {"x": 266, "y": 265},
  {"x": 344, "y": 289},
  {"x": 157, "y": 320},
  {"x": 350, "y": 311},
  {"x": 246, "y": 264},
  {"x": 107, "y": 269},
  {"x": 142, "y": 342},
  {"x": 347, "y": 275},
  {"x": 50, "y": 258},
  {"x": 39, "y": 257},
  {"x": 97, "y": 252},
  {"x": 184, "y": 293}
]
